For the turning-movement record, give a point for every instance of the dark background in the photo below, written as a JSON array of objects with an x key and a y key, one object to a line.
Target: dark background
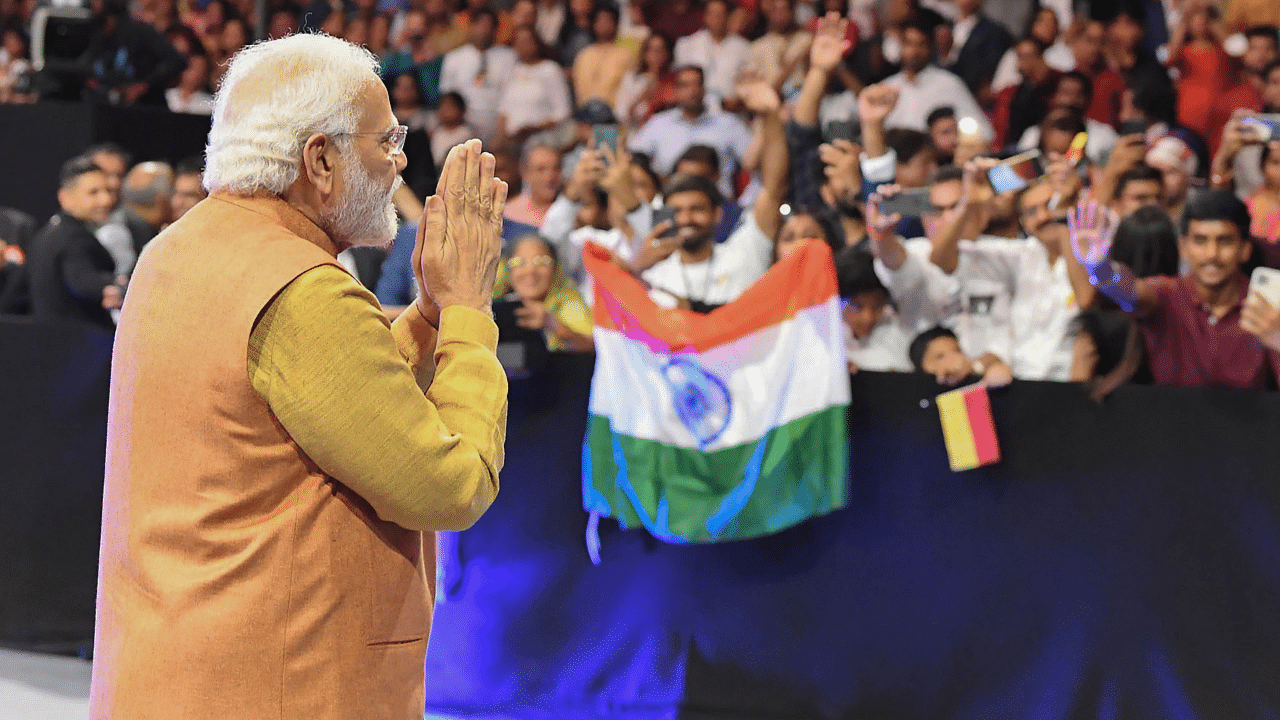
[
  {"x": 35, "y": 140},
  {"x": 1122, "y": 561}
]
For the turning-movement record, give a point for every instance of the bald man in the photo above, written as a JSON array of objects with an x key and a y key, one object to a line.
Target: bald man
[{"x": 279, "y": 454}]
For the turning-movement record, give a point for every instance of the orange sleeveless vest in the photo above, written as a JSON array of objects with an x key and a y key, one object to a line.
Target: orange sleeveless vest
[{"x": 236, "y": 580}]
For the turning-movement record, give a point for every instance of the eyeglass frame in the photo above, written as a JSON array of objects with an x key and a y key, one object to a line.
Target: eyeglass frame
[
  {"x": 536, "y": 261},
  {"x": 396, "y": 136}
]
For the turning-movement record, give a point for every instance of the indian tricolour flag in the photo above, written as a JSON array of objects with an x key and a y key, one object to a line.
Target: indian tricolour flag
[{"x": 723, "y": 426}]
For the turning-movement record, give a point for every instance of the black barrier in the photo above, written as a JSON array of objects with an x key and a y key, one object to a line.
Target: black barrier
[
  {"x": 35, "y": 140},
  {"x": 1123, "y": 561},
  {"x": 53, "y": 424}
]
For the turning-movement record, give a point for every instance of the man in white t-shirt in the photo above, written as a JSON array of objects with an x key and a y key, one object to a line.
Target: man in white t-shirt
[
  {"x": 688, "y": 268},
  {"x": 922, "y": 87},
  {"x": 720, "y": 53},
  {"x": 478, "y": 72},
  {"x": 697, "y": 273}
]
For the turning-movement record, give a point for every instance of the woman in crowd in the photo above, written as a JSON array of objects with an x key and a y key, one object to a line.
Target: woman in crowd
[
  {"x": 651, "y": 87},
  {"x": 1264, "y": 203},
  {"x": 14, "y": 59},
  {"x": 549, "y": 302},
  {"x": 408, "y": 103},
  {"x": 1195, "y": 51},
  {"x": 1044, "y": 27},
  {"x": 1109, "y": 349},
  {"x": 536, "y": 97},
  {"x": 192, "y": 93}
]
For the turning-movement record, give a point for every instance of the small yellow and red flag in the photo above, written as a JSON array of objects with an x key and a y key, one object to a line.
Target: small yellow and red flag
[{"x": 968, "y": 428}]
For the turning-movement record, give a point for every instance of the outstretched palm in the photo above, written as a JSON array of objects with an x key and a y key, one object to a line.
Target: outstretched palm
[
  {"x": 1093, "y": 227},
  {"x": 829, "y": 42}
]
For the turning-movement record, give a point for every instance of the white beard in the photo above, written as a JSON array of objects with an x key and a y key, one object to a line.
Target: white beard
[{"x": 366, "y": 214}]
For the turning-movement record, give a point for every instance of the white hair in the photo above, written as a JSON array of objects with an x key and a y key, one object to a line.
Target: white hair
[{"x": 275, "y": 94}]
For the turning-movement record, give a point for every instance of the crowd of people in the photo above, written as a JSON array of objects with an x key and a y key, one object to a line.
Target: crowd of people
[{"x": 701, "y": 141}]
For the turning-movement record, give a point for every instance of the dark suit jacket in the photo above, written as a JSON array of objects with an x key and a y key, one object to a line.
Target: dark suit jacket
[
  {"x": 139, "y": 229},
  {"x": 977, "y": 61},
  {"x": 69, "y": 269}
]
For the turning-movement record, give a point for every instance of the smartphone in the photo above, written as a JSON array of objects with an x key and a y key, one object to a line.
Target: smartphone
[
  {"x": 662, "y": 215},
  {"x": 605, "y": 135},
  {"x": 841, "y": 130},
  {"x": 910, "y": 203},
  {"x": 520, "y": 350},
  {"x": 1016, "y": 172},
  {"x": 1133, "y": 127},
  {"x": 1262, "y": 128},
  {"x": 1265, "y": 283}
]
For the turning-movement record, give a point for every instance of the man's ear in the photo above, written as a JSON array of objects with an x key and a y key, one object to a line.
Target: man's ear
[{"x": 320, "y": 163}]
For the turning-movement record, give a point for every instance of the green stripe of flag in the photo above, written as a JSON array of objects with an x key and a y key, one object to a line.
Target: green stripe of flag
[{"x": 683, "y": 494}]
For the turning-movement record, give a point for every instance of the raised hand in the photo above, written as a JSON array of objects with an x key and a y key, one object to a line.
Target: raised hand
[
  {"x": 1093, "y": 227},
  {"x": 459, "y": 239},
  {"x": 875, "y": 102},
  {"x": 830, "y": 42},
  {"x": 654, "y": 249},
  {"x": 878, "y": 224},
  {"x": 756, "y": 93},
  {"x": 588, "y": 173}
]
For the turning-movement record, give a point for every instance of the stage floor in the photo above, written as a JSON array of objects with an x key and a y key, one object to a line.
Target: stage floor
[{"x": 51, "y": 687}]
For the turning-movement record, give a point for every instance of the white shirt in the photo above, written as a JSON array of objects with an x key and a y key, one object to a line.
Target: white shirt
[
  {"x": 933, "y": 88},
  {"x": 733, "y": 267},
  {"x": 1044, "y": 315},
  {"x": 1058, "y": 57},
  {"x": 1004, "y": 298},
  {"x": 443, "y": 139},
  {"x": 886, "y": 348},
  {"x": 668, "y": 134},
  {"x": 975, "y": 301},
  {"x": 535, "y": 94},
  {"x": 839, "y": 106},
  {"x": 960, "y": 32},
  {"x": 480, "y": 79},
  {"x": 200, "y": 102},
  {"x": 720, "y": 61},
  {"x": 1102, "y": 138},
  {"x": 550, "y": 18}
]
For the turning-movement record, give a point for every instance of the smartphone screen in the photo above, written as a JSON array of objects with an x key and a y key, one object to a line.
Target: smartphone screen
[
  {"x": 1133, "y": 127},
  {"x": 1017, "y": 172},
  {"x": 840, "y": 130},
  {"x": 605, "y": 135},
  {"x": 908, "y": 203},
  {"x": 1265, "y": 283},
  {"x": 1263, "y": 128},
  {"x": 662, "y": 215}
]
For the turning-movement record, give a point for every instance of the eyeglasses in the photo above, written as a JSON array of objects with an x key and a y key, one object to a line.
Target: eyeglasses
[
  {"x": 516, "y": 263},
  {"x": 392, "y": 140}
]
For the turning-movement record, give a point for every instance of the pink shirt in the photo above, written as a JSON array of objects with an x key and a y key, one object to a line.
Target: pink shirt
[{"x": 522, "y": 209}]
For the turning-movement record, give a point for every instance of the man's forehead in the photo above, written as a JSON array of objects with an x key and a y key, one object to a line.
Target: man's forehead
[{"x": 1213, "y": 228}]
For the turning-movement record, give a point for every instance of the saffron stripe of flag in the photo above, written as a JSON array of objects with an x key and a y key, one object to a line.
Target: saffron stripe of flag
[
  {"x": 723, "y": 426},
  {"x": 968, "y": 428}
]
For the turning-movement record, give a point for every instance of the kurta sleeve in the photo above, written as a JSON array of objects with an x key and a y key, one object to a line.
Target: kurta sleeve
[{"x": 410, "y": 419}]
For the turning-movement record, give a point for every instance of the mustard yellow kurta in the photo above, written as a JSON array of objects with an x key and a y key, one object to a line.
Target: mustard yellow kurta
[{"x": 275, "y": 451}]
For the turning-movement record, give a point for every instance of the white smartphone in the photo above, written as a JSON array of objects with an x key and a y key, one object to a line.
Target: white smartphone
[{"x": 1265, "y": 283}]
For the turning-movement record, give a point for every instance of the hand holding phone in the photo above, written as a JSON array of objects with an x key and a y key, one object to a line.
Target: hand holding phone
[
  {"x": 606, "y": 136},
  {"x": 1016, "y": 172},
  {"x": 665, "y": 215},
  {"x": 1259, "y": 319},
  {"x": 911, "y": 203},
  {"x": 1261, "y": 128}
]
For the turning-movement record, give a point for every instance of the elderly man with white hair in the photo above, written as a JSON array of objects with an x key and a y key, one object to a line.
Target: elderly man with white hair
[{"x": 279, "y": 455}]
